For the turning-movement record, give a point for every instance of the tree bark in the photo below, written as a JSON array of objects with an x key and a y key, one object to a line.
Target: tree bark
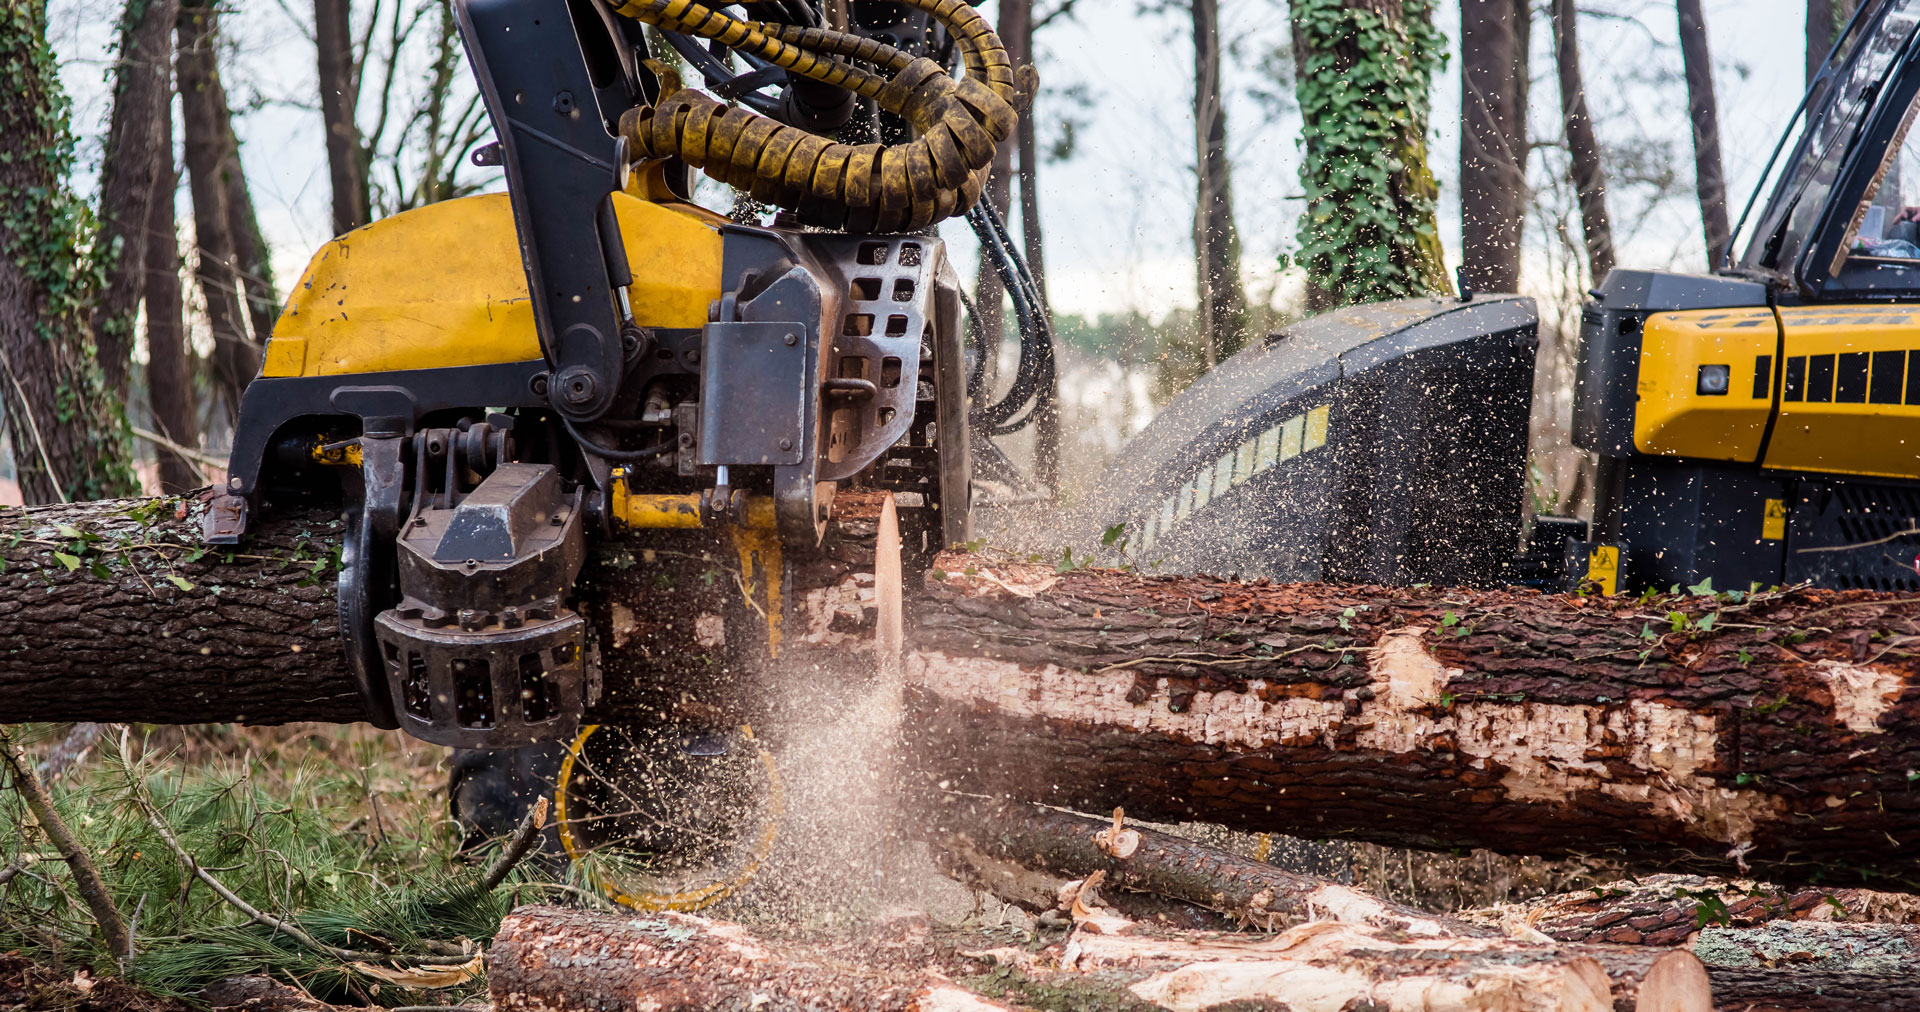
[
  {"x": 1824, "y": 21},
  {"x": 170, "y": 390},
  {"x": 1703, "y": 112},
  {"x": 1221, "y": 311},
  {"x": 69, "y": 433},
  {"x": 1670, "y": 909},
  {"x": 1805, "y": 967},
  {"x": 1771, "y": 736},
  {"x": 976, "y": 839},
  {"x": 1493, "y": 141},
  {"x": 1583, "y": 148},
  {"x": 339, "y": 100},
  {"x": 210, "y": 160},
  {"x": 1777, "y": 738},
  {"x": 548, "y": 959},
  {"x": 142, "y": 98}
]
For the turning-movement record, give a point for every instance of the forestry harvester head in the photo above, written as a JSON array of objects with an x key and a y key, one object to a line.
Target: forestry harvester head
[
  {"x": 1756, "y": 425},
  {"x": 496, "y": 385}
]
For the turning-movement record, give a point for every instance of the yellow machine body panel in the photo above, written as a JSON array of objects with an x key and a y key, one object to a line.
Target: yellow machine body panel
[
  {"x": 443, "y": 285},
  {"x": 1850, "y": 391},
  {"x": 1677, "y": 415}
]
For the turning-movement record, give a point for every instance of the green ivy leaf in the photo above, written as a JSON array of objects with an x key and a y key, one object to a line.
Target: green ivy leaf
[
  {"x": 72, "y": 562},
  {"x": 179, "y": 581}
]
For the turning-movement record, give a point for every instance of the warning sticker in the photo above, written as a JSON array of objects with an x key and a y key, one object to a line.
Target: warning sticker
[
  {"x": 1603, "y": 568},
  {"x": 1774, "y": 526}
]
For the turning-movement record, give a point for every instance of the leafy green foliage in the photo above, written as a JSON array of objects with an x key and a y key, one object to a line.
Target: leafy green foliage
[
  {"x": 1363, "y": 83},
  {"x": 48, "y": 234}
]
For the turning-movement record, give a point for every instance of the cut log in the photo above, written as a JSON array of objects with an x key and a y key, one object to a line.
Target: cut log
[
  {"x": 1776, "y": 733},
  {"x": 114, "y": 611},
  {"x": 1670, "y": 909},
  {"x": 547, "y": 959},
  {"x": 1003, "y": 846},
  {"x": 1813, "y": 967},
  {"x": 990, "y": 844},
  {"x": 1710, "y": 733}
]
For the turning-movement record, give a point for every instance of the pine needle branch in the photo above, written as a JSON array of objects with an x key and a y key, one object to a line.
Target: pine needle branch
[
  {"x": 86, "y": 877},
  {"x": 253, "y": 913}
]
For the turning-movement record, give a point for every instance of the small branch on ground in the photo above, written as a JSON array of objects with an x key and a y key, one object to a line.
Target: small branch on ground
[
  {"x": 86, "y": 877},
  {"x": 517, "y": 848}
]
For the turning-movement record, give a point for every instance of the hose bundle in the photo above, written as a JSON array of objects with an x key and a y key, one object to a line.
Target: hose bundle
[{"x": 854, "y": 188}]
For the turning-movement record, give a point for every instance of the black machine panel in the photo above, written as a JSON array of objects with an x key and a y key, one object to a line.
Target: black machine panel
[{"x": 1382, "y": 443}]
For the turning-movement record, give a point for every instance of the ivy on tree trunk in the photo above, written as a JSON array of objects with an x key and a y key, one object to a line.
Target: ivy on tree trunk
[
  {"x": 70, "y": 436},
  {"x": 1365, "y": 73}
]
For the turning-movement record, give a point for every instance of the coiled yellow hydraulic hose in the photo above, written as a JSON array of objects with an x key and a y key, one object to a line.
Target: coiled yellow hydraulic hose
[{"x": 856, "y": 188}]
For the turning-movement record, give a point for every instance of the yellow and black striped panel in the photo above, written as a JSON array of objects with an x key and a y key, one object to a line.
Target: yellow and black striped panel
[
  {"x": 1849, "y": 391},
  {"x": 1705, "y": 386}
]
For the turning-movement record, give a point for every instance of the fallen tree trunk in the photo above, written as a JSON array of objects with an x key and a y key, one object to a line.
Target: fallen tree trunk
[
  {"x": 1779, "y": 731},
  {"x": 1812, "y": 967},
  {"x": 1711, "y": 733},
  {"x": 547, "y": 959},
  {"x": 1670, "y": 909}
]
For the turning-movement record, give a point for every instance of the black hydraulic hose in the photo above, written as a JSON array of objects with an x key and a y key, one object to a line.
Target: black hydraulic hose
[
  {"x": 977, "y": 337},
  {"x": 1033, "y": 378},
  {"x": 716, "y": 73},
  {"x": 622, "y": 456}
]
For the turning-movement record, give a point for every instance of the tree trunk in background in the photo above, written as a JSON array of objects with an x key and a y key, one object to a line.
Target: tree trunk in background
[
  {"x": 1493, "y": 141},
  {"x": 1017, "y": 29},
  {"x": 1367, "y": 236},
  {"x": 1825, "y": 18},
  {"x": 169, "y": 369},
  {"x": 207, "y": 144},
  {"x": 142, "y": 97},
  {"x": 339, "y": 98},
  {"x": 69, "y": 431},
  {"x": 1583, "y": 149},
  {"x": 252, "y": 261},
  {"x": 1709, "y": 179},
  {"x": 1221, "y": 311}
]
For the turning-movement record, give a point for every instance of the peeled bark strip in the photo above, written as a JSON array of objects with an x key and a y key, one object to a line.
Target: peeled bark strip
[
  {"x": 1775, "y": 734},
  {"x": 1670, "y": 909},
  {"x": 548, "y": 959}
]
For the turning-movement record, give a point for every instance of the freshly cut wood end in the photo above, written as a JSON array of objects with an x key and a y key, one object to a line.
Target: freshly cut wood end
[{"x": 1676, "y": 982}]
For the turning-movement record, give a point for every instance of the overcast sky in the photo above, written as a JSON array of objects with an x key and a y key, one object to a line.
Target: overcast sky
[{"x": 1117, "y": 213}]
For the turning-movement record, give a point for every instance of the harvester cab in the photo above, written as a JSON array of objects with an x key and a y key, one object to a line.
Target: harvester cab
[
  {"x": 1756, "y": 425},
  {"x": 496, "y": 384}
]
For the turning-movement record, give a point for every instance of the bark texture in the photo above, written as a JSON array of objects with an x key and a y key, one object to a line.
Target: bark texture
[
  {"x": 212, "y": 159},
  {"x": 1773, "y": 734},
  {"x": 1670, "y": 909},
  {"x": 1583, "y": 148},
  {"x": 1696, "y": 733},
  {"x": 978, "y": 838},
  {"x": 1704, "y": 113},
  {"x": 547, "y": 959},
  {"x": 1222, "y": 308},
  {"x": 170, "y": 389},
  {"x": 68, "y": 430},
  {"x": 1801, "y": 967},
  {"x": 142, "y": 100},
  {"x": 1493, "y": 141},
  {"x": 339, "y": 75}
]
